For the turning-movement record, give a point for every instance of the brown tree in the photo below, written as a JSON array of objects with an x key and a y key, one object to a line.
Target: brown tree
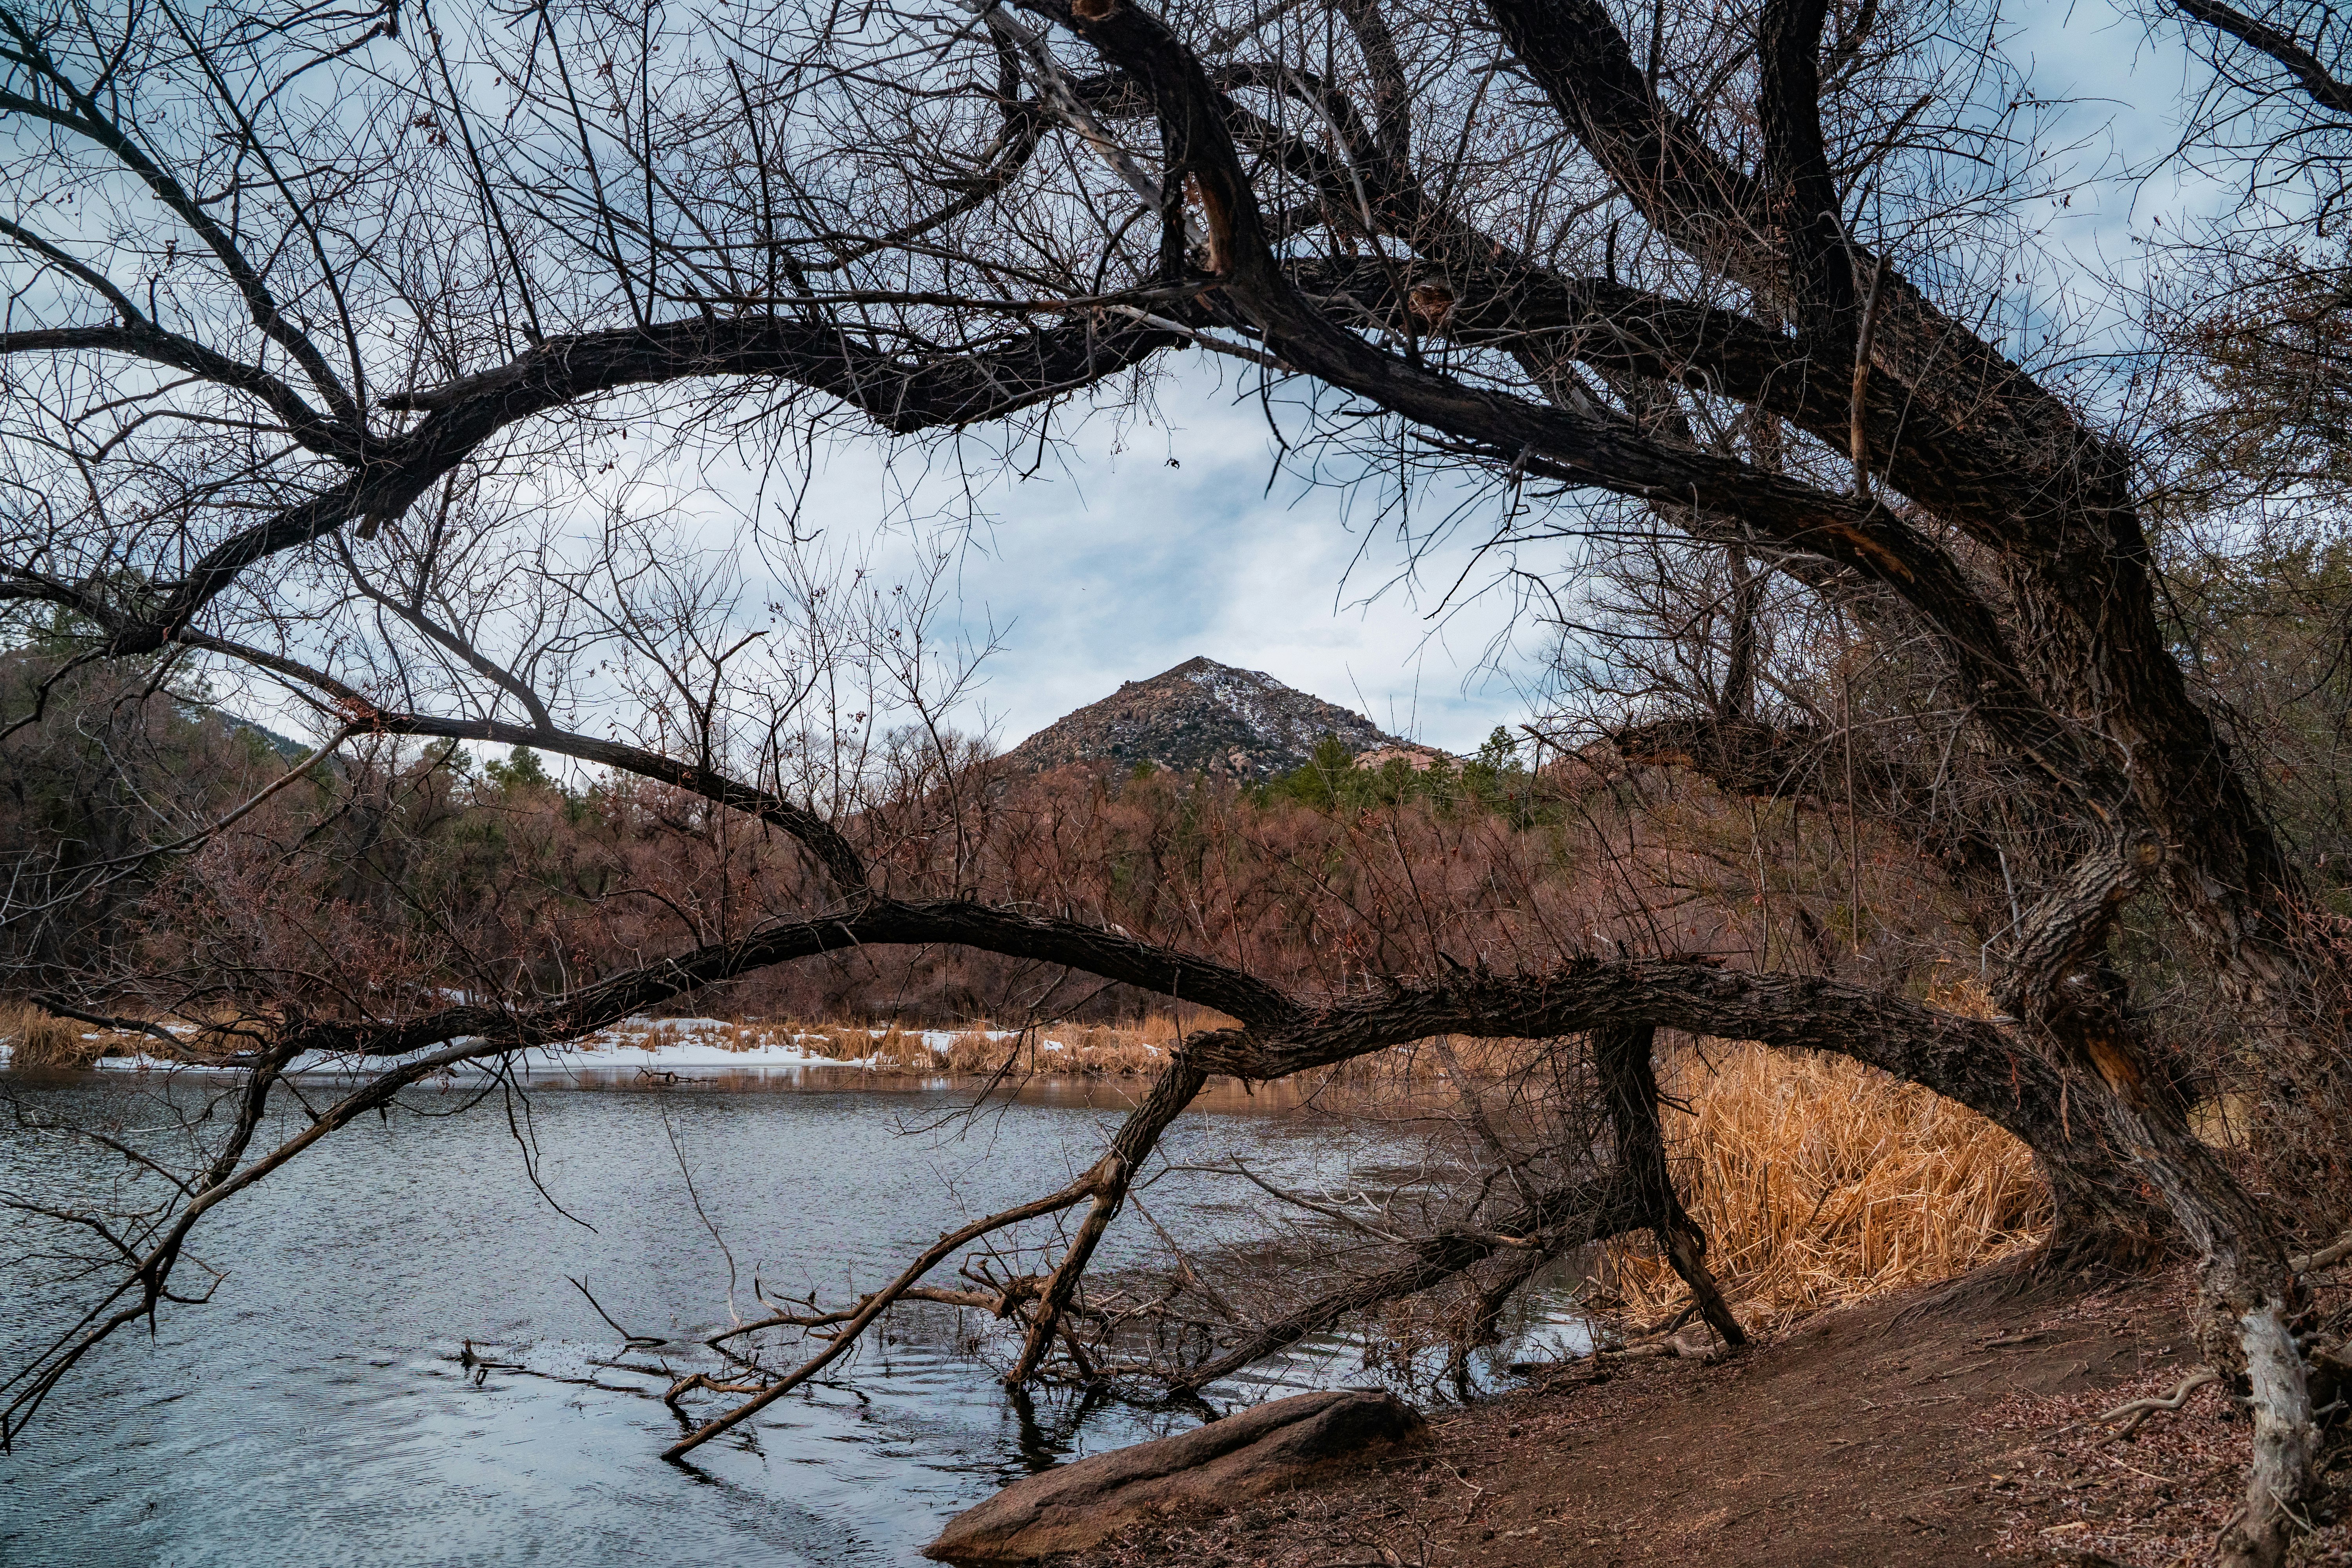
[{"x": 323, "y": 327}]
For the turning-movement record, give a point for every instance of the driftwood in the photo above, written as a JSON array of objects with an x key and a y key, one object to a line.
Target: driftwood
[{"x": 1253, "y": 1452}]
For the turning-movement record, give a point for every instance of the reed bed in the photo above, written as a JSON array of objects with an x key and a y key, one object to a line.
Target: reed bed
[
  {"x": 1819, "y": 1181},
  {"x": 37, "y": 1039}
]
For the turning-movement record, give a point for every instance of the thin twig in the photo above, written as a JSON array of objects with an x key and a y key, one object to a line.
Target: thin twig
[{"x": 648, "y": 1339}]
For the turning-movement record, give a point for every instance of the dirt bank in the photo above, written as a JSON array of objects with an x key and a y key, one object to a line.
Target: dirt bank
[{"x": 1909, "y": 1430}]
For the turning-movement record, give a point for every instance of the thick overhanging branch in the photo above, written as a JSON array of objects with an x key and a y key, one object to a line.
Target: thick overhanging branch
[
  {"x": 1577, "y": 55},
  {"x": 2070, "y": 921},
  {"x": 2081, "y": 546},
  {"x": 1485, "y": 291},
  {"x": 866, "y": 920},
  {"x": 1587, "y": 449},
  {"x": 1800, "y": 191},
  {"x": 904, "y": 392},
  {"x": 1621, "y": 331},
  {"x": 2323, "y": 88},
  {"x": 1715, "y": 211},
  {"x": 1963, "y": 1060},
  {"x": 2074, "y": 561},
  {"x": 1948, "y": 421}
]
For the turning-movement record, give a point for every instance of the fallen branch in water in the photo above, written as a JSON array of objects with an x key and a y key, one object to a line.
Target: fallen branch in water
[
  {"x": 634, "y": 1340},
  {"x": 873, "y": 1306},
  {"x": 686, "y": 1385},
  {"x": 999, "y": 1302}
]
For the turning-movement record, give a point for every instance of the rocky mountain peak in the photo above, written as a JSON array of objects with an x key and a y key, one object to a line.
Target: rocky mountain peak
[{"x": 1203, "y": 717}]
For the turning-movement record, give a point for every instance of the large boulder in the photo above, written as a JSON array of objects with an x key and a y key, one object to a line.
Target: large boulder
[{"x": 1266, "y": 1448}]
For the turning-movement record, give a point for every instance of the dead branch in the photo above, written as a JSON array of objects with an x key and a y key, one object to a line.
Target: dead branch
[
  {"x": 2327, "y": 1257},
  {"x": 855, "y": 1324}
]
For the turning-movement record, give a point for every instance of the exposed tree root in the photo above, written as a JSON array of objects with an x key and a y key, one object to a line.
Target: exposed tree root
[{"x": 2140, "y": 1410}]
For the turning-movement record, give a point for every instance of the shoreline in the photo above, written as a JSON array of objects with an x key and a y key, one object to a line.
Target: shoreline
[
  {"x": 658, "y": 1046},
  {"x": 1927, "y": 1427}
]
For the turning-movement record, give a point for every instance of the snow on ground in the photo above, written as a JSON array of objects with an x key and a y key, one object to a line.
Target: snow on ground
[
  {"x": 662, "y": 1043},
  {"x": 665, "y": 1055}
]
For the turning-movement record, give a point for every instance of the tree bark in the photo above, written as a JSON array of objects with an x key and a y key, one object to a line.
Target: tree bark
[
  {"x": 1630, "y": 1083},
  {"x": 2246, "y": 1290}
]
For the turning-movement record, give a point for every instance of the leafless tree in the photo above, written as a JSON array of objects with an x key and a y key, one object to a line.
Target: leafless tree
[{"x": 324, "y": 325}]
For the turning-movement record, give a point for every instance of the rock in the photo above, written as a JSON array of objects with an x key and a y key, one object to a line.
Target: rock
[
  {"x": 1266, "y": 1448},
  {"x": 1694, "y": 1343}
]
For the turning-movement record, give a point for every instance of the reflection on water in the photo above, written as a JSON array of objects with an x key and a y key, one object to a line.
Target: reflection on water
[{"x": 396, "y": 1369}]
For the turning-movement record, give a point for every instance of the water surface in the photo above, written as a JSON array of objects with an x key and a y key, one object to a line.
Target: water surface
[{"x": 321, "y": 1410}]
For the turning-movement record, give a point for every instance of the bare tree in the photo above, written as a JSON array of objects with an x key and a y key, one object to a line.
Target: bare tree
[{"x": 323, "y": 328}]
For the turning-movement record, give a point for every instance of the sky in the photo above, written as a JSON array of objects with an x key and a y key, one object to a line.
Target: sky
[
  {"x": 1130, "y": 552},
  {"x": 1139, "y": 543},
  {"x": 1111, "y": 565}
]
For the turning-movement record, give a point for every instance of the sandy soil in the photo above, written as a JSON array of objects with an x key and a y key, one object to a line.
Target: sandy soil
[{"x": 1911, "y": 1431}]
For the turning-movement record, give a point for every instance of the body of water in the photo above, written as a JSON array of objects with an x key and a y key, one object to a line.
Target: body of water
[{"x": 321, "y": 1409}]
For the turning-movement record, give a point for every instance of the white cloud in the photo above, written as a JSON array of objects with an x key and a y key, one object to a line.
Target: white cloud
[
  {"x": 1110, "y": 564},
  {"x": 1107, "y": 563}
]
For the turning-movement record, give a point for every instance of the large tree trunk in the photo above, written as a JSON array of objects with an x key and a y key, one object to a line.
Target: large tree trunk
[{"x": 2246, "y": 1291}]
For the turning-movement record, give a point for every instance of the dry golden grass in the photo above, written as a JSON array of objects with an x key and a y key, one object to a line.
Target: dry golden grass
[
  {"x": 1819, "y": 1181},
  {"x": 37, "y": 1039},
  {"x": 40, "y": 1041}
]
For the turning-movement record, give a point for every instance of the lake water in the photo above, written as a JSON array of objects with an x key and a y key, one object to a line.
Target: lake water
[{"x": 318, "y": 1410}]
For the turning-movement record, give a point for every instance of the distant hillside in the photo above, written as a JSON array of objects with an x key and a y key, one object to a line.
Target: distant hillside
[
  {"x": 286, "y": 746},
  {"x": 1203, "y": 717}
]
